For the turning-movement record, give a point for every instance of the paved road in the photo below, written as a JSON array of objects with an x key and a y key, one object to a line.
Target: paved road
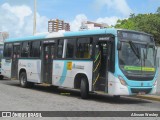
[{"x": 40, "y": 98}]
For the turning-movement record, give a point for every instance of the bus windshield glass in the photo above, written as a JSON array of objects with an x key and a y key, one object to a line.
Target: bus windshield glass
[{"x": 137, "y": 57}]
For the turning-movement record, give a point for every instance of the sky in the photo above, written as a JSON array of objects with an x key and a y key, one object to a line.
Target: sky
[{"x": 16, "y": 16}]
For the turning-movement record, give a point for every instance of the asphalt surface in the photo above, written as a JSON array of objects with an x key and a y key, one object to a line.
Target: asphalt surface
[{"x": 42, "y": 98}]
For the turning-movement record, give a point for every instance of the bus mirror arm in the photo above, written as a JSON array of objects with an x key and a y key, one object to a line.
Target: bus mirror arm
[{"x": 157, "y": 62}]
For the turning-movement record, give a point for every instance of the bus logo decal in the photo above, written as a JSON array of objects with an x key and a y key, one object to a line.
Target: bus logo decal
[
  {"x": 69, "y": 65},
  {"x": 78, "y": 67}
]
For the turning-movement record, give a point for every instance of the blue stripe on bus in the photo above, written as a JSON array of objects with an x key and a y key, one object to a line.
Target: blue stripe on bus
[
  {"x": 91, "y": 32},
  {"x": 26, "y": 38},
  {"x": 86, "y": 32},
  {"x": 64, "y": 74},
  {"x": 65, "y": 34}
]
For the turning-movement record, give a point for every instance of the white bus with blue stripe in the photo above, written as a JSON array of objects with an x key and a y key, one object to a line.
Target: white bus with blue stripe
[
  {"x": 110, "y": 61},
  {"x": 1, "y": 56}
]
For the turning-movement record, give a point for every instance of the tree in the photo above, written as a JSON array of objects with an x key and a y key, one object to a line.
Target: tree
[
  {"x": 132, "y": 15},
  {"x": 158, "y": 10}
]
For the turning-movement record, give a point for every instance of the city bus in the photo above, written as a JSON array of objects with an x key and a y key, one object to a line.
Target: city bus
[
  {"x": 108, "y": 61},
  {"x": 1, "y": 55}
]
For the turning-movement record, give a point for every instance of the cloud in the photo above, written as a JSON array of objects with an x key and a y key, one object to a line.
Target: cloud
[
  {"x": 18, "y": 20},
  {"x": 119, "y": 6},
  {"x": 19, "y": 11},
  {"x": 76, "y": 23},
  {"x": 108, "y": 20},
  {"x": 19, "y": 2}
]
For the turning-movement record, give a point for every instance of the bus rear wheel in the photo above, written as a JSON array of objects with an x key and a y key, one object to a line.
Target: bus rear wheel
[
  {"x": 1, "y": 77},
  {"x": 23, "y": 80},
  {"x": 116, "y": 97},
  {"x": 84, "y": 88}
]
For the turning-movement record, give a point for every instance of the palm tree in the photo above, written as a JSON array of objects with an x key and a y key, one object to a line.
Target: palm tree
[{"x": 132, "y": 15}]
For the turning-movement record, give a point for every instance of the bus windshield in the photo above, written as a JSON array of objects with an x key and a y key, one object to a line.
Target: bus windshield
[{"x": 137, "y": 58}]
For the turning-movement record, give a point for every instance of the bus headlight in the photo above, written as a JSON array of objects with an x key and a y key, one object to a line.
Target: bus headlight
[{"x": 122, "y": 81}]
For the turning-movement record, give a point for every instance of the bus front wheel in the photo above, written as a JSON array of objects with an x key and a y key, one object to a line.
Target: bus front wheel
[
  {"x": 117, "y": 97},
  {"x": 84, "y": 88}
]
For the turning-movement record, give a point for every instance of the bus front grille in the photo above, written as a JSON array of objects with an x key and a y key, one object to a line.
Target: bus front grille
[
  {"x": 140, "y": 78},
  {"x": 138, "y": 90}
]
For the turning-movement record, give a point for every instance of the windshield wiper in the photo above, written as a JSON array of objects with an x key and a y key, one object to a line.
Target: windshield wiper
[{"x": 135, "y": 50}]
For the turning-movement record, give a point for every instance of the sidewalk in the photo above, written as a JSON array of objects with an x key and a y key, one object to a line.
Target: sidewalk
[{"x": 150, "y": 97}]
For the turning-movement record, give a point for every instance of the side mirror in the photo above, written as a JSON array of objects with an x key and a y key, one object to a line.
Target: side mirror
[{"x": 119, "y": 45}]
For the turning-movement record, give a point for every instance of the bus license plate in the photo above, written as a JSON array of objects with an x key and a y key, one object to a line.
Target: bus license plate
[{"x": 141, "y": 93}]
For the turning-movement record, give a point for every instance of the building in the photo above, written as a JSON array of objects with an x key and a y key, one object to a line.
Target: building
[
  {"x": 88, "y": 25},
  {"x": 56, "y": 25},
  {"x": 66, "y": 26},
  {"x": 3, "y": 36}
]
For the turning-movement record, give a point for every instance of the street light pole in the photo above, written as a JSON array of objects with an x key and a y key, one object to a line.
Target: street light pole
[{"x": 34, "y": 18}]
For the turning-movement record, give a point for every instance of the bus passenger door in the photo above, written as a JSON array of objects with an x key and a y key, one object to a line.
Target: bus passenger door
[
  {"x": 48, "y": 56},
  {"x": 15, "y": 56},
  {"x": 101, "y": 66}
]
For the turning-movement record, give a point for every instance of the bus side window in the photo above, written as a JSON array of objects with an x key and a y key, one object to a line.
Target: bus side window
[
  {"x": 25, "y": 49},
  {"x": 35, "y": 49},
  {"x": 97, "y": 50},
  {"x": 8, "y": 50},
  {"x": 60, "y": 48},
  {"x": 112, "y": 57},
  {"x": 84, "y": 48},
  {"x": 70, "y": 48}
]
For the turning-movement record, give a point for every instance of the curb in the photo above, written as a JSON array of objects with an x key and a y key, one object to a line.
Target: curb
[{"x": 149, "y": 97}]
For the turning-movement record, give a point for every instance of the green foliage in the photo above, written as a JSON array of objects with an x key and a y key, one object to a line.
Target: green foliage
[
  {"x": 149, "y": 23},
  {"x": 158, "y": 10}
]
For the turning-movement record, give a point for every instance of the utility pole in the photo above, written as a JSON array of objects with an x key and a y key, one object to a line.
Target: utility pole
[{"x": 34, "y": 18}]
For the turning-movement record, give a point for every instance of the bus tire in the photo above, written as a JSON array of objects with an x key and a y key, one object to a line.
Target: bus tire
[
  {"x": 117, "y": 97},
  {"x": 23, "y": 80},
  {"x": 84, "y": 88},
  {"x": 1, "y": 77},
  {"x": 30, "y": 84}
]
